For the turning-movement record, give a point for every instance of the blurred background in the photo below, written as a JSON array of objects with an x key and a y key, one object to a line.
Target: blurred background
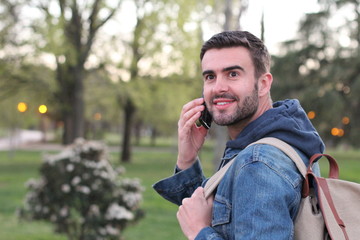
[{"x": 119, "y": 71}]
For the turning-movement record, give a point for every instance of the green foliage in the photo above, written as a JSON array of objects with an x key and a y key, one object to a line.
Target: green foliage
[
  {"x": 324, "y": 74},
  {"x": 81, "y": 194}
]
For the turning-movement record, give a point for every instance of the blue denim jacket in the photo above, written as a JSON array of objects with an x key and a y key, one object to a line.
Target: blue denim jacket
[{"x": 258, "y": 197}]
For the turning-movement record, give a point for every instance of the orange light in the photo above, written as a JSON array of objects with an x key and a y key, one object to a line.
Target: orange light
[
  {"x": 97, "y": 116},
  {"x": 43, "y": 109},
  {"x": 22, "y": 107},
  {"x": 338, "y": 132},
  {"x": 345, "y": 120},
  {"x": 341, "y": 133},
  {"x": 334, "y": 131},
  {"x": 311, "y": 115}
]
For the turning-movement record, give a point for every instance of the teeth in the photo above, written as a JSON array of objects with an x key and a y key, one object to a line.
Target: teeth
[{"x": 221, "y": 103}]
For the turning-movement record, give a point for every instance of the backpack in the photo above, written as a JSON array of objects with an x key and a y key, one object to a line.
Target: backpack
[{"x": 329, "y": 208}]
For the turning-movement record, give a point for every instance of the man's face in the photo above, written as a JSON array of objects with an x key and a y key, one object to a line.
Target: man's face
[{"x": 230, "y": 87}]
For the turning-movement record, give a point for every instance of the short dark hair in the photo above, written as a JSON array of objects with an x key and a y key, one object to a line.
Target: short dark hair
[{"x": 258, "y": 51}]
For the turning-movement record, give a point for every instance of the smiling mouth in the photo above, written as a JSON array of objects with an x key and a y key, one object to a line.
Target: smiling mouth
[{"x": 222, "y": 101}]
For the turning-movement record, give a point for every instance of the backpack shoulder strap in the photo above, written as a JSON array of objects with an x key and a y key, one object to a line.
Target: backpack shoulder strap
[
  {"x": 287, "y": 149},
  {"x": 214, "y": 181}
]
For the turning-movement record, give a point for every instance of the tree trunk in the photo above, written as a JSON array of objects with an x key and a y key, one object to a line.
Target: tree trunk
[
  {"x": 78, "y": 116},
  {"x": 138, "y": 127},
  {"x": 129, "y": 111},
  {"x": 72, "y": 91},
  {"x": 153, "y": 136},
  {"x": 66, "y": 136}
]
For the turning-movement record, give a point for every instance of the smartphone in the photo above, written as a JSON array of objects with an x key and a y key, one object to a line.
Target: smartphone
[{"x": 205, "y": 118}]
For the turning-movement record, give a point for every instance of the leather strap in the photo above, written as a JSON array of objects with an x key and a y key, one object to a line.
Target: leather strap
[
  {"x": 214, "y": 181},
  {"x": 325, "y": 189}
]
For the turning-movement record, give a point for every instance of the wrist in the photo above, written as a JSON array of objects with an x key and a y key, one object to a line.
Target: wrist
[{"x": 182, "y": 165}]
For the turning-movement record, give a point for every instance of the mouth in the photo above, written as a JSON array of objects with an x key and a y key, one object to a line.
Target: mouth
[{"x": 222, "y": 103}]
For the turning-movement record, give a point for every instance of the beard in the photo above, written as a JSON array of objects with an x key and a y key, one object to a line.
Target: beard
[{"x": 242, "y": 112}]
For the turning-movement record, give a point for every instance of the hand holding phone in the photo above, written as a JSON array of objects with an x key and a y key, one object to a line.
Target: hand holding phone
[
  {"x": 190, "y": 137},
  {"x": 205, "y": 119}
]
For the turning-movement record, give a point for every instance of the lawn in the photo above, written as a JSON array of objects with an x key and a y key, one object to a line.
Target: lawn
[{"x": 149, "y": 164}]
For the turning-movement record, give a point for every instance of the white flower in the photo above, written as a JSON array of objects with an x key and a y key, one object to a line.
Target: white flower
[
  {"x": 53, "y": 218},
  {"x": 83, "y": 189},
  {"x": 31, "y": 183},
  {"x": 111, "y": 230},
  {"x": 75, "y": 181},
  {"x": 64, "y": 211},
  {"x": 104, "y": 175},
  {"x": 52, "y": 159},
  {"x": 38, "y": 208},
  {"x": 95, "y": 186},
  {"x": 102, "y": 231},
  {"x": 115, "y": 211},
  {"x": 120, "y": 170},
  {"x": 45, "y": 210},
  {"x": 132, "y": 199},
  {"x": 65, "y": 188},
  {"x": 94, "y": 210},
  {"x": 70, "y": 167},
  {"x": 86, "y": 176}
]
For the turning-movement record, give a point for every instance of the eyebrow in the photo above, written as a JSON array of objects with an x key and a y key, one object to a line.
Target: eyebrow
[
  {"x": 233, "y": 67},
  {"x": 224, "y": 69}
]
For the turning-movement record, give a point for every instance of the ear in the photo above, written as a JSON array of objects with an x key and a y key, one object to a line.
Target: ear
[{"x": 264, "y": 84}]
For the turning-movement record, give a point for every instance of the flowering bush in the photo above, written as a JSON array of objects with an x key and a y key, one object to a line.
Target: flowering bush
[{"x": 82, "y": 195}]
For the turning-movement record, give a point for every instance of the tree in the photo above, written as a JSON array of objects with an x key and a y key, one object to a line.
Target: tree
[
  {"x": 68, "y": 34},
  {"x": 9, "y": 61},
  {"x": 321, "y": 67},
  {"x": 151, "y": 43}
]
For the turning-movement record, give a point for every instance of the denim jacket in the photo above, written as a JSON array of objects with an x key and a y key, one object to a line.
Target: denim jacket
[{"x": 259, "y": 196}]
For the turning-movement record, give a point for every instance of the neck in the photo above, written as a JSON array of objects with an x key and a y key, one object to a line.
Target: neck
[{"x": 235, "y": 129}]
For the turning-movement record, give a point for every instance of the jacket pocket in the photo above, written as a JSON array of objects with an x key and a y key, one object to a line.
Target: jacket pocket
[{"x": 221, "y": 211}]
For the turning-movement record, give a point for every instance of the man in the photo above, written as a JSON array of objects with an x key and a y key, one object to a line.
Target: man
[{"x": 259, "y": 196}]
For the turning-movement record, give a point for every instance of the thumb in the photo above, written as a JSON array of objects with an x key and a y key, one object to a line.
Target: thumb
[
  {"x": 210, "y": 199},
  {"x": 199, "y": 192}
]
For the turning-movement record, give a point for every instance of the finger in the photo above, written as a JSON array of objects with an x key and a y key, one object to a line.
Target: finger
[
  {"x": 184, "y": 201},
  {"x": 190, "y": 115},
  {"x": 192, "y": 104},
  {"x": 178, "y": 215},
  {"x": 210, "y": 199},
  {"x": 199, "y": 192}
]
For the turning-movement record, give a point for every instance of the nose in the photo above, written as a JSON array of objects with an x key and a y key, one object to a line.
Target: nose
[{"x": 220, "y": 85}]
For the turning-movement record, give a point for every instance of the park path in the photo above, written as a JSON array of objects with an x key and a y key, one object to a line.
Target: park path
[
  {"x": 19, "y": 138},
  {"x": 33, "y": 140}
]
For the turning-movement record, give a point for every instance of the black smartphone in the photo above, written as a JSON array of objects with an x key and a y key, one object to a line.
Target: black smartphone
[{"x": 205, "y": 118}]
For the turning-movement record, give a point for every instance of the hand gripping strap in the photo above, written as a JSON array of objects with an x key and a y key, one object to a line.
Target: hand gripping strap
[{"x": 213, "y": 182}]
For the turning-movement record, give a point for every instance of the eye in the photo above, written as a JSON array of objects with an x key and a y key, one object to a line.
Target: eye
[
  {"x": 233, "y": 74},
  {"x": 209, "y": 77}
]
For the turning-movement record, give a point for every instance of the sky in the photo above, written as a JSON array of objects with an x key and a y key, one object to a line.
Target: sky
[{"x": 281, "y": 19}]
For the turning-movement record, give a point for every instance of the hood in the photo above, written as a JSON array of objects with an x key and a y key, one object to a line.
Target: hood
[{"x": 287, "y": 121}]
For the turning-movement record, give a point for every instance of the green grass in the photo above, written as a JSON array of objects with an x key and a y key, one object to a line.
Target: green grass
[{"x": 149, "y": 164}]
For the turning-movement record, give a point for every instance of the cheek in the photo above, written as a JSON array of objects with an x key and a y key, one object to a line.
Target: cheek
[{"x": 206, "y": 93}]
